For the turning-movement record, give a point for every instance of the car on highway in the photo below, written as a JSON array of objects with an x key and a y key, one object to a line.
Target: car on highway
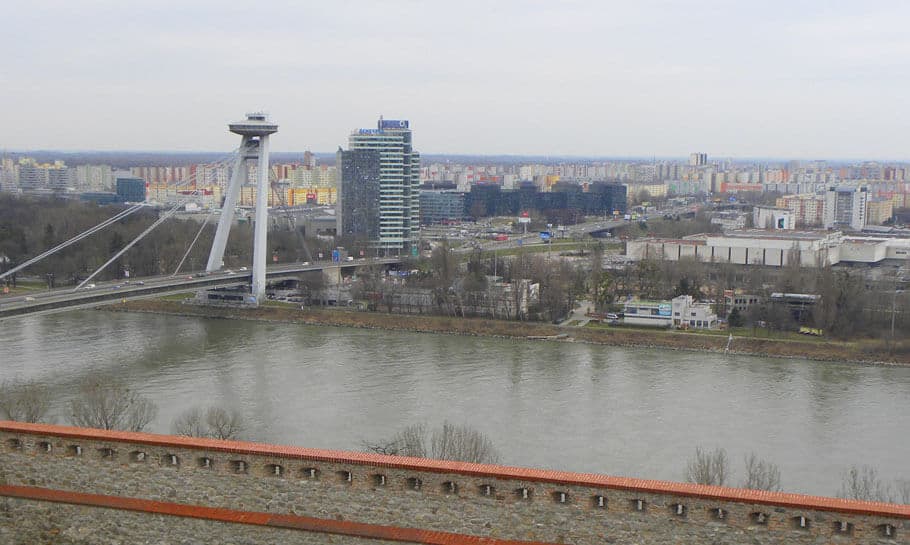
[
  {"x": 29, "y": 298},
  {"x": 242, "y": 268},
  {"x": 90, "y": 286},
  {"x": 140, "y": 283}
]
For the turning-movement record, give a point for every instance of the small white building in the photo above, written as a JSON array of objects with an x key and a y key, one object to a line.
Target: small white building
[
  {"x": 648, "y": 313},
  {"x": 682, "y": 312},
  {"x": 689, "y": 314},
  {"x": 772, "y": 217}
]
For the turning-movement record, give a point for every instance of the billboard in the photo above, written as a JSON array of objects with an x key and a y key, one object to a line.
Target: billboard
[
  {"x": 665, "y": 309},
  {"x": 393, "y": 124}
]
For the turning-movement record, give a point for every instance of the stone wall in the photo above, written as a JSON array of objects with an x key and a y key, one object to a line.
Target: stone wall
[
  {"x": 462, "y": 498},
  {"x": 28, "y": 522}
]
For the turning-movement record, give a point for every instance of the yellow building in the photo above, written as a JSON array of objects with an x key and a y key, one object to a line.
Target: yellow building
[
  {"x": 879, "y": 211},
  {"x": 655, "y": 190},
  {"x": 294, "y": 196}
]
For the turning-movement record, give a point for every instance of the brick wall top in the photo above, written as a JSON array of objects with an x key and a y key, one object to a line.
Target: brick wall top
[{"x": 719, "y": 493}]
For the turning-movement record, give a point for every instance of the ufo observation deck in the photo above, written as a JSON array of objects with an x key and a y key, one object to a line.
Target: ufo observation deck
[{"x": 255, "y": 124}]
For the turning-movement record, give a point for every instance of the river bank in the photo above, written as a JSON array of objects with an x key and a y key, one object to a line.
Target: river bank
[{"x": 675, "y": 340}]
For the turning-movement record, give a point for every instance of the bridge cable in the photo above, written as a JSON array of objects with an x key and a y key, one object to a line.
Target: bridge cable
[
  {"x": 122, "y": 214},
  {"x": 142, "y": 235},
  {"x": 167, "y": 215},
  {"x": 193, "y": 243},
  {"x": 273, "y": 182}
]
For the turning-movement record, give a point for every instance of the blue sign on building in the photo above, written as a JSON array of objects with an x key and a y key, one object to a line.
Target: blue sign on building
[
  {"x": 336, "y": 256},
  {"x": 544, "y": 236},
  {"x": 393, "y": 124}
]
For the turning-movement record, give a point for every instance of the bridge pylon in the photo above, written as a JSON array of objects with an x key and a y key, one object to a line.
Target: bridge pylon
[{"x": 254, "y": 146}]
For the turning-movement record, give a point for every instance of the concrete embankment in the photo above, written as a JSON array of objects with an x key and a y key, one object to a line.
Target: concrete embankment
[{"x": 785, "y": 348}]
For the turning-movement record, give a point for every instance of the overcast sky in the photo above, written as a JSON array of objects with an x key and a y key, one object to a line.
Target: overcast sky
[{"x": 804, "y": 79}]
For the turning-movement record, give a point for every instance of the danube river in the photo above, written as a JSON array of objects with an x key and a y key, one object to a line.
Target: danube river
[{"x": 628, "y": 412}]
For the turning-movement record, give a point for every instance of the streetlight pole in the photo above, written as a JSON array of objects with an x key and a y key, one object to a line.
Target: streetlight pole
[{"x": 897, "y": 275}]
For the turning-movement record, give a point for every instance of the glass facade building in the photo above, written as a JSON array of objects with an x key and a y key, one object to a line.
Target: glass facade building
[
  {"x": 441, "y": 206},
  {"x": 357, "y": 208},
  {"x": 130, "y": 190},
  {"x": 399, "y": 182}
]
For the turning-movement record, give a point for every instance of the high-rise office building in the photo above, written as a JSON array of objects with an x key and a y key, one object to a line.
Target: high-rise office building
[{"x": 388, "y": 151}]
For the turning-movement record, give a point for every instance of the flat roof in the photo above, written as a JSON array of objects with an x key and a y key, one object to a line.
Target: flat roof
[{"x": 778, "y": 234}]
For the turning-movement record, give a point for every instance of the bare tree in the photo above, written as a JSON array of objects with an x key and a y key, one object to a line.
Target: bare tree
[
  {"x": 111, "y": 406},
  {"x": 708, "y": 467},
  {"x": 448, "y": 442},
  {"x": 462, "y": 443},
  {"x": 411, "y": 441},
  {"x": 903, "y": 491},
  {"x": 26, "y": 402},
  {"x": 190, "y": 423},
  {"x": 863, "y": 483},
  {"x": 761, "y": 474},
  {"x": 224, "y": 423},
  {"x": 214, "y": 422}
]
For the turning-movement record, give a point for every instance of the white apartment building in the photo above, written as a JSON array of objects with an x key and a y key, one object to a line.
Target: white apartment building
[{"x": 845, "y": 207}]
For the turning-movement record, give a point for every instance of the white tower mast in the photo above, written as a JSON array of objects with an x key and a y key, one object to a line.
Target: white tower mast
[{"x": 255, "y": 131}]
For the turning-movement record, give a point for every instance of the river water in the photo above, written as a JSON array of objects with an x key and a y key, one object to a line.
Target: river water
[{"x": 578, "y": 407}]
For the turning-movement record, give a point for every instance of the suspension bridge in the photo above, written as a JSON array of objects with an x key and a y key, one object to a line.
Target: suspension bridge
[{"x": 253, "y": 150}]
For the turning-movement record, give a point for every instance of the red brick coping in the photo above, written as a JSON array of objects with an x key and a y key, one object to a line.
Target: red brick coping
[
  {"x": 718, "y": 493},
  {"x": 272, "y": 520}
]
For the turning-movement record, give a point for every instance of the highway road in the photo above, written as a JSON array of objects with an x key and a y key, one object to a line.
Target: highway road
[
  {"x": 566, "y": 232},
  {"x": 100, "y": 293},
  {"x": 533, "y": 238}
]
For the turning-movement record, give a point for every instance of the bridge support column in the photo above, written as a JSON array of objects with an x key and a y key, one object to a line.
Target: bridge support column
[
  {"x": 262, "y": 220},
  {"x": 238, "y": 177}
]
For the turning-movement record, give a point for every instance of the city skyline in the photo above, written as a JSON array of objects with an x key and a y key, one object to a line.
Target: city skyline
[{"x": 808, "y": 80}]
